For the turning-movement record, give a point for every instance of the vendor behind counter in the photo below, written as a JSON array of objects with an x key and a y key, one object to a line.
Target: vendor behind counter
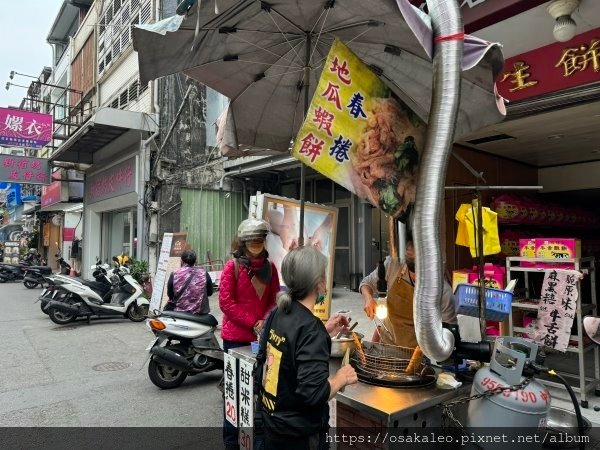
[{"x": 401, "y": 280}]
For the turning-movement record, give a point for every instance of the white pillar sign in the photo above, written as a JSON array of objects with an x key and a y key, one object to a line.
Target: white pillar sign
[
  {"x": 161, "y": 272},
  {"x": 246, "y": 404},
  {"x": 230, "y": 388}
]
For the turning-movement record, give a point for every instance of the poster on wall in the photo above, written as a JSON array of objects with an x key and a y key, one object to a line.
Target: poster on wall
[
  {"x": 169, "y": 260},
  {"x": 358, "y": 134},
  {"x": 320, "y": 225}
]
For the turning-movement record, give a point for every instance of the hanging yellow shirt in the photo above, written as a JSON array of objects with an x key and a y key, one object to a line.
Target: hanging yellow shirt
[{"x": 467, "y": 236}]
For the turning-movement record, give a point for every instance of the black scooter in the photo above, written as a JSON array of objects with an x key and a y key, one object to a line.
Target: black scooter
[{"x": 35, "y": 276}]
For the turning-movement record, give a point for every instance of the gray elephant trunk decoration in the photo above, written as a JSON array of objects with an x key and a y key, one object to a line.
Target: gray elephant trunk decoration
[{"x": 437, "y": 343}]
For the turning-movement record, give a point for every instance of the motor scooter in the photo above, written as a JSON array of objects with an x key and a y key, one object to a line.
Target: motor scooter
[
  {"x": 36, "y": 275},
  {"x": 190, "y": 347},
  {"x": 102, "y": 283},
  {"x": 73, "y": 298}
]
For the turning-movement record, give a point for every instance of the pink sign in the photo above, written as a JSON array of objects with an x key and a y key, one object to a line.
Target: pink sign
[
  {"x": 28, "y": 129},
  {"x": 68, "y": 234},
  {"x": 51, "y": 194},
  {"x": 118, "y": 180},
  {"x": 21, "y": 169}
]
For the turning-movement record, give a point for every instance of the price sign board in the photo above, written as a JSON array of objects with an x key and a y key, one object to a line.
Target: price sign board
[
  {"x": 246, "y": 404},
  {"x": 230, "y": 387}
]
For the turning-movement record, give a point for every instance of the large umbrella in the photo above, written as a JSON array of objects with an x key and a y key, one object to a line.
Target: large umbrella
[{"x": 267, "y": 58}]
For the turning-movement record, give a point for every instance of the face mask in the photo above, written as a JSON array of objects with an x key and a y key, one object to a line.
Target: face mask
[{"x": 255, "y": 249}]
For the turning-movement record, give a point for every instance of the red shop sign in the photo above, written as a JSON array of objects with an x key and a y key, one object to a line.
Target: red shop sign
[
  {"x": 552, "y": 68},
  {"x": 51, "y": 194}
]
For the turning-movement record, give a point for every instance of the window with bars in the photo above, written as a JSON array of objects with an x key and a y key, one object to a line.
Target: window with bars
[
  {"x": 128, "y": 95},
  {"x": 116, "y": 29}
]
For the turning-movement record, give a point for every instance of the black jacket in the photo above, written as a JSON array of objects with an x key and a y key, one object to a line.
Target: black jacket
[{"x": 295, "y": 388}]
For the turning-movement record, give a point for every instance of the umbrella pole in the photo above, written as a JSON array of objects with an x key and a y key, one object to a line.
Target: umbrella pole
[{"x": 305, "y": 87}]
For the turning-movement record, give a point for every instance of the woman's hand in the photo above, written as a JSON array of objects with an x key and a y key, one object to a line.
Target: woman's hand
[
  {"x": 347, "y": 375},
  {"x": 258, "y": 326},
  {"x": 336, "y": 324},
  {"x": 370, "y": 305},
  {"x": 342, "y": 378}
]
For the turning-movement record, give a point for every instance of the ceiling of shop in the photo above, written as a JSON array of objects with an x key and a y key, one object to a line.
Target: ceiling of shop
[
  {"x": 533, "y": 28},
  {"x": 557, "y": 137}
]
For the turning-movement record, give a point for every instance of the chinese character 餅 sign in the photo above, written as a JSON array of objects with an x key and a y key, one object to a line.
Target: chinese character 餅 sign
[
  {"x": 360, "y": 136},
  {"x": 28, "y": 129},
  {"x": 557, "y": 309},
  {"x": 118, "y": 180},
  {"x": 21, "y": 169},
  {"x": 246, "y": 404},
  {"x": 552, "y": 68}
]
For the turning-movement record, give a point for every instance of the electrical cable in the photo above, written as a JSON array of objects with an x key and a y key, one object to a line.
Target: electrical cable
[{"x": 580, "y": 426}]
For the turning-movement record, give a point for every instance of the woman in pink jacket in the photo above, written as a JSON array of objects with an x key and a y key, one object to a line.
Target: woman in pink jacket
[{"x": 247, "y": 290}]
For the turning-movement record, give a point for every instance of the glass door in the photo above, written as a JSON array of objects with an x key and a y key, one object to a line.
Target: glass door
[{"x": 120, "y": 232}]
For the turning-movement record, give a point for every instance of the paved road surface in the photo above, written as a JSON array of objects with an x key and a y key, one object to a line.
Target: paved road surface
[{"x": 88, "y": 375}]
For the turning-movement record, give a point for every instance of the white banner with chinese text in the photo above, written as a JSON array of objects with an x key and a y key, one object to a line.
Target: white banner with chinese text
[
  {"x": 557, "y": 309},
  {"x": 246, "y": 405}
]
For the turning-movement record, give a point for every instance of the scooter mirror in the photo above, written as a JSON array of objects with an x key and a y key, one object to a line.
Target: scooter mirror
[{"x": 591, "y": 325}]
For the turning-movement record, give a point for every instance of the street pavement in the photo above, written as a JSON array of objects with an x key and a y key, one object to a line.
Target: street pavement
[
  {"x": 88, "y": 375},
  {"x": 95, "y": 375}
]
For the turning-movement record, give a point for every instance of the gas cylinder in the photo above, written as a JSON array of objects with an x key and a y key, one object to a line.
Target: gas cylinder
[{"x": 518, "y": 416}]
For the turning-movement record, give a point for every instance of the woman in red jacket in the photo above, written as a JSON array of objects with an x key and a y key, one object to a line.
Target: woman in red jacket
[{"x": 247, "y": 290}]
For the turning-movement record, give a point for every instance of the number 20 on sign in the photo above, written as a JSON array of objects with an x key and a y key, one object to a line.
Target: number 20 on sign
[{"x": 230, "y": 387}]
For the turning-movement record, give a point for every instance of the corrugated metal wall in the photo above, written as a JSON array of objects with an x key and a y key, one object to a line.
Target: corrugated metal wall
[{"x": 211, "y": 219}]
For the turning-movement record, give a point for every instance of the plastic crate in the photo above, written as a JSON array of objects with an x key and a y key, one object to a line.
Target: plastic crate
[{"x": 497, "y": 302}]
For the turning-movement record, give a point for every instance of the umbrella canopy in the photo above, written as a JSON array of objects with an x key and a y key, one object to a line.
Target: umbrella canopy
[{"x": 267, "y": 57}]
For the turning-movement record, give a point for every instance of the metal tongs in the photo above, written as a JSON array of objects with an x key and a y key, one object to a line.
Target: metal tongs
[
  {"x": 339, "y": 335},
  {"x": 377, "y": 326}
]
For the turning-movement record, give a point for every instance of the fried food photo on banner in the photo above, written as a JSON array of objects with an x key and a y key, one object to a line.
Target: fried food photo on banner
[{"x": 385, "y": 160}]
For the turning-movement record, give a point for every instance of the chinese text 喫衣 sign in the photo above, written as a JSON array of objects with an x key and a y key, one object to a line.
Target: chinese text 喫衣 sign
[
  {"x": 360, "y": 136},
  {"x": 557, "y": 308},
  {"x": 552, "y": 68},
  {"x": 21, "y": 169},
  {"x": 28, "y": 129},
  {"x": 118, "y": 180}
]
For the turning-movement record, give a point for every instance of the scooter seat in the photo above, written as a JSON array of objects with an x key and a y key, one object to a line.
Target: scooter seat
[
  {"x": 205, "y": 319},
  {"x": 96, "y": 286},
  {"x": 44, "y": 270}
]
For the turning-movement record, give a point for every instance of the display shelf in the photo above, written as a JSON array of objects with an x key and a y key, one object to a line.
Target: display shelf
[
  {"x": 585, "y": 308},
  {"x": 586, "y": 266}
]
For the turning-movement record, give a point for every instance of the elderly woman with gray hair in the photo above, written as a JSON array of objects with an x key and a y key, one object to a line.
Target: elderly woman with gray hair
[{"x": 295, "y": 385}]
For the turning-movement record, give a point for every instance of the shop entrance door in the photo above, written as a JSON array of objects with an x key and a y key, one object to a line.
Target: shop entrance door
[{"x": 119, "y": 231}]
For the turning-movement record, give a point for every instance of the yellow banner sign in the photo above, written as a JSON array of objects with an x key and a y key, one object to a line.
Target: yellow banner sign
[{"x": 361, "y": 136}]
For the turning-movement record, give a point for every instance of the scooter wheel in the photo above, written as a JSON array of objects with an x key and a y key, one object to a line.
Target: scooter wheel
[
  {"x": 59, "y": 317},
  {"x": 163, "y": 376},
  {"x": 137, "y": 313},
  {"x": 30, "y": 284},
  {"x": 43, "y": 310}
]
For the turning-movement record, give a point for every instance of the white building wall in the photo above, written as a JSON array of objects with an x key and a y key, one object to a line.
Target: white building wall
[
  {"x": 118, "y": 76},
  {"x": 142, "y": 104}
]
